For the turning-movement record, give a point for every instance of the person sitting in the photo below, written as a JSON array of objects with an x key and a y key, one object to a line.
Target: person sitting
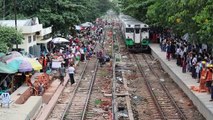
[
  {"x": 41, "y": 89},
  {"x": 28, "y": 80}
]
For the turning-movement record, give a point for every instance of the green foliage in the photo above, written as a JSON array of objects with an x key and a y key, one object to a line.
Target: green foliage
[
  {"x": 8, "y": 37},
  {"x": 182, "y": 16},
  {"x": 62, "y": 14}
]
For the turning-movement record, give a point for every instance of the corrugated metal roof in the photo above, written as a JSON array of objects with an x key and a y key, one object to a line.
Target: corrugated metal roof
[{"x": 26, "y": 22}]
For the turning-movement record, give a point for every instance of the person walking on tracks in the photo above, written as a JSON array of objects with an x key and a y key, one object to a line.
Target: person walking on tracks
[
  {"x": 62, "y": 73},
  {"x": 71, "y": 71}
]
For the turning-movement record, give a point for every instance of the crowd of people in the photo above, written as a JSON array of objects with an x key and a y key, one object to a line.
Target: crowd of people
[
  {"x": 196, "y": 59},
  {"x": 79, "y": 49}
]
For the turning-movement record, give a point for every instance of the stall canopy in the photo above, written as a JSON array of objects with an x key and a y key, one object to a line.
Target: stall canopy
[
  {"x": 2, "y": 54},
  {"x": 7, "y": 68},
  {"x": 19, "y": 64},
  {"x": 78, "y": 27},
  {"x": 87, "y": 24},
  {"x": 10, "y": 56},
  {"x": 59, "y": 40},
  {"x": 35, "y": 64}
]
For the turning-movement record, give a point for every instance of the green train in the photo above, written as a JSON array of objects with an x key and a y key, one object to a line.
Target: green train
[{"x": 136, "y": 34}]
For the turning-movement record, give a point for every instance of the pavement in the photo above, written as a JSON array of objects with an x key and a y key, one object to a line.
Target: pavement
[{"x": 185, "y": 81}]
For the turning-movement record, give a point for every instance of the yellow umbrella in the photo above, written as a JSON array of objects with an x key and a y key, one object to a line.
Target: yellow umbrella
[{"x": 35, "y": 64}]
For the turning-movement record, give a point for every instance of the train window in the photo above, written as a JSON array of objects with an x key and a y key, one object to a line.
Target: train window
[
  {"x": 129, "y": 30},
  {"x": 137, "y": 30},
  {"x": 144, "y": 29}
]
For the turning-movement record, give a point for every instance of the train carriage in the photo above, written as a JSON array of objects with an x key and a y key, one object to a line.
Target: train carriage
[{"x": 136, "y": 34}]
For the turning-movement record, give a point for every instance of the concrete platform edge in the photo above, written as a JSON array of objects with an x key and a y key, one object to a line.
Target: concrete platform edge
[
  {"x": 197, "y": 102},
  {"x": 49, "y": 107}
]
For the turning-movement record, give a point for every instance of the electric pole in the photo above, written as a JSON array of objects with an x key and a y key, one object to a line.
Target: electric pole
[{"x": 15, "y": 12}]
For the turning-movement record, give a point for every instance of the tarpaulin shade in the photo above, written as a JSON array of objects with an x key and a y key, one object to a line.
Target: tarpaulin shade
[
  {"x": 20, "y": 64},
  {"x": 5, "y": 68},
  {"x": 35, "y": 64},
  {"x": 10, "y": 56},
  {"x": 2, "y": 54},
  {"x": 59, "y": 40},
  {"x": 25, "y": 66}
]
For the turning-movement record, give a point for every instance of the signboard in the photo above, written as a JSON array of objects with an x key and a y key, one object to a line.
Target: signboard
[{"x": 56, "y": 64}]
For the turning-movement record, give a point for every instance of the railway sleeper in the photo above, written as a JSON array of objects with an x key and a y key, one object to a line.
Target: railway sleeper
[{"x": 76, "y": 108}]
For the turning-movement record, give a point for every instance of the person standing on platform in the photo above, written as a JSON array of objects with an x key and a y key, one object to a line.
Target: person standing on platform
[
  {"x": 203, "y": 77},
  {"x": 71, "y": 71},
  {"x": 168, "y": 51},
  {"x": 184, "y": 63},
  {"x": 198, "y": 69},
  {"x": 211, "y": 83},
  {"x": 193, "y": 68},
  {"x": 209, "y": 77}
]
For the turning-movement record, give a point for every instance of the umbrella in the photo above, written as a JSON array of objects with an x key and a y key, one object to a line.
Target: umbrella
[
  {"x": 5, "y": 68},
  {"x": 35, "y": 64},
  {"x": 28, "y": 64},
  {"x": 10, "y": 56},
  {"x": 14, "y": 64},
  {"x": 23, "y": 64},
  {"x": 87, "y": 24},
  {"x": 78, "y": 27},
  {"x": 2, "y": 54},
  {"x": 59, "y": 40}
]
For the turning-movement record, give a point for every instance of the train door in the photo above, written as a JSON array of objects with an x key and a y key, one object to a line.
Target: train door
[{"x": 137, "y": 34}]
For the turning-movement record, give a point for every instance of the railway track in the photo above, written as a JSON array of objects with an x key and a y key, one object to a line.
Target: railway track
[
  {"x": 66, "y": 95},
  {"x": 161, "y": 103},
  {"x": 76, "y": 108},
  {"x": 72, "y": 103}
]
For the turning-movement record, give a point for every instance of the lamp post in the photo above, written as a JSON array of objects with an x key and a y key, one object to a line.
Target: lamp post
[{"x": 15, "y": 24}]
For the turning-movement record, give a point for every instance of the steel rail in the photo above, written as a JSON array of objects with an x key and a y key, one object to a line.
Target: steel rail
[
  {"x": 183, "y": 117},
  {"x": 90, "y": 91},
  {"x": 70, "y": 101},
  {"x": 150, "y": 89},
  {"x": 75, "y": 90}
]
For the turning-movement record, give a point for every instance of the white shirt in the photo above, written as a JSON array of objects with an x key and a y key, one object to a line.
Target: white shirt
[
  {"x": 71, "y": 70},
  {"x": 81, "y": 50},
  {"x": 73, "y": 49},
  {"x": 194, "y": 60}
]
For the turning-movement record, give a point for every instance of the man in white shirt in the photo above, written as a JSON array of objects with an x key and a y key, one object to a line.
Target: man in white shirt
[{"x": 71, "y": 71}]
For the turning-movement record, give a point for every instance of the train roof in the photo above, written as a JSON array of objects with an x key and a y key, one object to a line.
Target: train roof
[
  {"x": 128, "y": 20},
  {"x": 132, "y": 23}
]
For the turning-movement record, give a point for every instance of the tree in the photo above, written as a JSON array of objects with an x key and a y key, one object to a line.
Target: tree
[
  {"x": 181, "y": 16},
  {"x": 62, "y": 14},
  {"x": 8, "y": 37}
]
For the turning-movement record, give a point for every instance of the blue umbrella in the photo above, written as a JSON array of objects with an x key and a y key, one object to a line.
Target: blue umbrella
[
  {"x": 2, "y": 54},
  {"x": 14, "y": 64},
  {"x": 5, "y": 68},
  {"x": 21, "y": 64}
]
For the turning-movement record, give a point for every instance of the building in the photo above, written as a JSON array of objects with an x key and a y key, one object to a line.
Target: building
[{"x": 36, "y": 37}]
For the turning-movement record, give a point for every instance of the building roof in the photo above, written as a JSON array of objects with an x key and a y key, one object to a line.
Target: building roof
[{"x": 20, "y": 23}]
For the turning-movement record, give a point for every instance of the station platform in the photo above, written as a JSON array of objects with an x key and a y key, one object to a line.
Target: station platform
[{"x": 185, "y": 81}]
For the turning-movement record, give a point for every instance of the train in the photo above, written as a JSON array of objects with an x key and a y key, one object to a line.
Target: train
[{"x": 135, "y": 33}]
